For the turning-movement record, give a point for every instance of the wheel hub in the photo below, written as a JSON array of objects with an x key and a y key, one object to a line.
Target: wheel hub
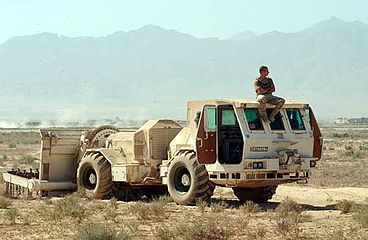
[
  {"x": 92, "y": 178},
  {"x": 185, "y": 180}
]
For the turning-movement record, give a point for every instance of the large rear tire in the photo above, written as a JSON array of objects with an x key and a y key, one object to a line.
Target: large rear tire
[
  {"x": 260, "y": 194},
  {"x": 94, "y": 176},
  {"x": 188, "y": 181}
]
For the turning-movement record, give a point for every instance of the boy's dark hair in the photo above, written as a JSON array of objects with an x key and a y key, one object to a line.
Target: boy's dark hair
[{"x": 263, "y": 68}]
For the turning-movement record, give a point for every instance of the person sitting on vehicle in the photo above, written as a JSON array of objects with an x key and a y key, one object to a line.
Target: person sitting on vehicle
[{"x": 264, "y": 88}]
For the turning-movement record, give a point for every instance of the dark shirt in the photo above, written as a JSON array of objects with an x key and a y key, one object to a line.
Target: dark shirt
[{"x": 264, "y": 84}]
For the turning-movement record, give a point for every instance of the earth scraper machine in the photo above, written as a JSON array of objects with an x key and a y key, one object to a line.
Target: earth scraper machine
[{"x": 225, "y": 143}]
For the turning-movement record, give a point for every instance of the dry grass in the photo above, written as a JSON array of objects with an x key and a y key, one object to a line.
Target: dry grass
[
  {"x": 10, "y": 215},
  {"x": 288, "y": 218},
  {"x": 93, "y": 231},
  {"x": 70, "y": 206},
  {"x": 208, "y": 228},
  {"x": 148, "y": 211},
  {"x": 201, "y": 206},
  {"x": 361, "y": 214},
  {"x": 344, "y": 164},
  {"x": 218, "y": 207},
  {"x": 257, "y": 233},
  {"x": 111, "y": 212},
  {"x": 5, "y": 202},
  {"x": 250, "y": 207},
  {"x": 344, "y": 206}
]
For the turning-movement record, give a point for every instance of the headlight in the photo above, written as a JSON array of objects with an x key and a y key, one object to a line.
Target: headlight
[{"x": 312, "y": 164}]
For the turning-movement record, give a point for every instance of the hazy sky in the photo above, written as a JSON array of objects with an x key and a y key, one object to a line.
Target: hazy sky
[{"x": 202, "y": 18}]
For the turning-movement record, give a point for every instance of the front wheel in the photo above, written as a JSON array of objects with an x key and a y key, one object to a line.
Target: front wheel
[
  {"x": 94, "y": 176},
  {"x": 188, "y": 181}
]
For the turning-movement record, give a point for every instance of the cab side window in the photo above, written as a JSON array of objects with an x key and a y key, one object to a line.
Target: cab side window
[
  {"x": 228, "y": 117},
  {"x": 253, "y": 119},
  {"x": 295, "y": 119},
  {"x": 278, "y": 124},
  {"x": 211, "y": 124}
]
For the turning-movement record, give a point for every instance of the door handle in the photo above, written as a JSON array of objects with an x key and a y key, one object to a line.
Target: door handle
[{"x": 201, "y": 142}]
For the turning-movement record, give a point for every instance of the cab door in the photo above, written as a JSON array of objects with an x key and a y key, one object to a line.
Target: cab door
[
  {"x": 317, "y": 135},
  {"x": 206, "y": 144}
]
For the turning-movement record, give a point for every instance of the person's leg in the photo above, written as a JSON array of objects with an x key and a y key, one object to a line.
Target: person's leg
[
  {"x": 278, "y": 102},
  {"x": 262, "y": 107}
]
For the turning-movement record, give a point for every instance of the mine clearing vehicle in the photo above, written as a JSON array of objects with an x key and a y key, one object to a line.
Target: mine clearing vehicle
[{"x": 225, "y": 143}]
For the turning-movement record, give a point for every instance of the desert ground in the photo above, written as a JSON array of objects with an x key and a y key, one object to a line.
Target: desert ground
[{"x": 332, "y": 205}]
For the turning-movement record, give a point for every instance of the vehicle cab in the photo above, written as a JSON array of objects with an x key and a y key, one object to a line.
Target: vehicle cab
[{"x": 239, "y": 149}]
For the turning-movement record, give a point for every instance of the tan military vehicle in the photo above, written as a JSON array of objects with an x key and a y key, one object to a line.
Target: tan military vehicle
[{"x": 225, "y": 143}]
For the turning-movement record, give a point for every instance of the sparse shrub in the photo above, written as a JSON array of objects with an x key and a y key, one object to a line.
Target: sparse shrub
[
  {"x": 11, "y": 215},
  {"x": 3, "y": 192},
  {"x": 93, "y": 231},
  {"x": 201, "y": 205},
  {"x": 5, "y": 202},
  {"x": 288, "y": 218},
  {"x": 344, "y": 206},
  {"x": 218, "y": 207},
  {"x": 132, "y": 226},
  {"x": 208, "y": 228},
  {"x": 199, "y": 230},
  {"x": 70, "y": 206},
  {"x": 3, "y": 158},
  {"x": 111, "y": 210},
  {"x": 12, "y": 145},
  {"x": 26, "y": 159},
  {"x": 287, "y": 206},
  {"x": 349, "y": 153},
  {"x": 361, "y": 214},
  {"x": 288, "y": 224},
  {"x": 165, "y": 233},
  {"x": 147, "y": 211},
  {"x": 250, "y": 207},
  {"x": 81, "y": 192},
  {"x": 362, "y": 148},
  {"x": 257, "y": 233},
  {"x": 348, "y": 147},
  {"x": 358, "y": 154},
  {"x": 165, "y": 199}
]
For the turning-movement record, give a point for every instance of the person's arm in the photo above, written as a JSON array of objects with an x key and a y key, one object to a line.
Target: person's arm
[
  {"x": 273, "y": 89},
  {"x": 259, "y": 89}
]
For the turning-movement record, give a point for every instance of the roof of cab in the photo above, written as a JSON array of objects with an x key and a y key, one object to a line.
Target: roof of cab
[{"x": 242, "y": 103}]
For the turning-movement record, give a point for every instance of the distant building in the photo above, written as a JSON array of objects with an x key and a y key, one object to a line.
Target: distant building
[
  {"x": 341, "y": 121},
  {"x": 362, "y": 120}
]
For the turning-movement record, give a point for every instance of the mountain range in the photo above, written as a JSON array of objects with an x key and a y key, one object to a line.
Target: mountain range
[{"x": 151, "y": 72}]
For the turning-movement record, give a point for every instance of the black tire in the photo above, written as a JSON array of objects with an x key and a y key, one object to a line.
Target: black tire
[
  {"x": 260, "y": 194},
  {"x": 188, "y": 181},
  {"x": 94, "y": 176}
]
